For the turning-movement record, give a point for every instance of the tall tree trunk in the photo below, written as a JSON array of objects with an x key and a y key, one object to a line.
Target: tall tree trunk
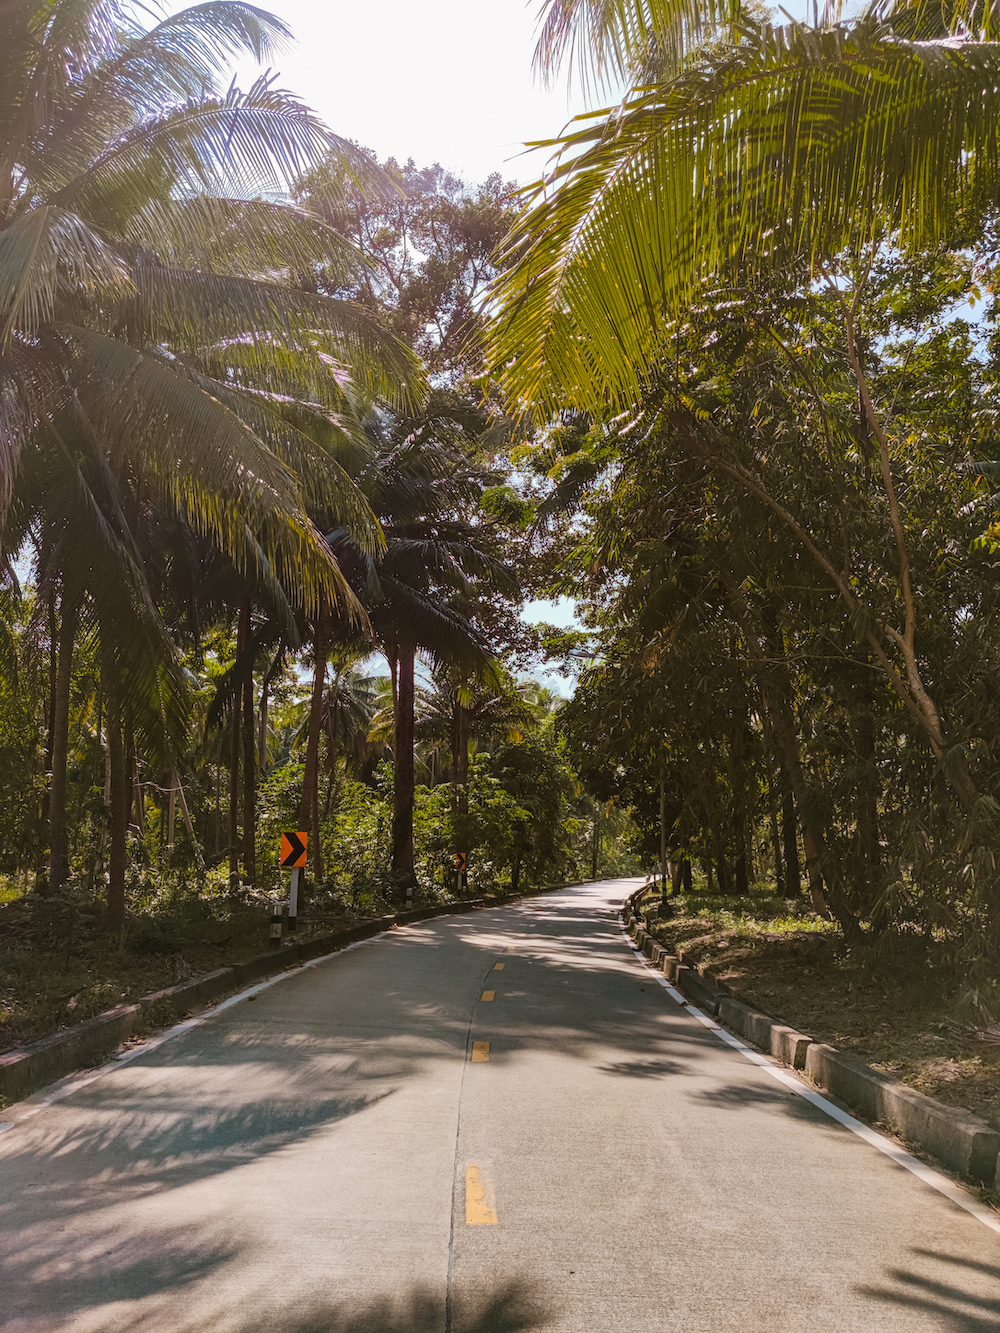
[
  {"x": 235, "y": 739},
  {"x": 179, "y": 789},
  {"x": 121, "y": 801},
  {"x": 58, "y": 830},
  {"x": 772, "y": 814},
  {"x": 403, "y": 871},
  {"x": 265, "y": 697},
  {"x": 867, "y": 801},
  {"x": 309, "y": 805},
  {"x": 780, "y": 721},
  {"x": 249, "y": 785},
  {"x": 171, "y": 819},
  {"x": 234, "y": 796},
  {"x": 459, "y": 755},
  {"x": 137, "y": 804},
  {"x": 790, "y": 839}
]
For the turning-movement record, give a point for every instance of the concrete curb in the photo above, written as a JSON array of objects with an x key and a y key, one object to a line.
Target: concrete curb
[
  {"x": 954, "y": 1136},
  {"x": 28, "y": 1068}
]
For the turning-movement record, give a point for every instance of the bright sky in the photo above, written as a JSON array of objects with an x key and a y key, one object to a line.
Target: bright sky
[{"x": 436, "y": 80}]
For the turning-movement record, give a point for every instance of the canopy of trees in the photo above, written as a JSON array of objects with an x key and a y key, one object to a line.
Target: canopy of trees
[{"x": 289, "y": 436}]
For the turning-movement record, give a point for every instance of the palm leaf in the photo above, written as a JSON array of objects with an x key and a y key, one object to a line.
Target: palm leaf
[
  {"x": 240, "y": 145},
  {"x": 42, "y": 254},
  {"x": 791, "y": 142},
  {"x": 202, "y": 458}
]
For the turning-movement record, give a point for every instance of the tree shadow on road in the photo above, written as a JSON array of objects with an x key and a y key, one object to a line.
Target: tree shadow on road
[
  {"x": 515, "y": 1308},
  {"x": 130, "y": 1153},
  {"x": 644, "y": 1068},
  {"x": 176, "y": 1290},
  {"x": 952, "y": 1306},
  {"x": 740, "y": 1097}
]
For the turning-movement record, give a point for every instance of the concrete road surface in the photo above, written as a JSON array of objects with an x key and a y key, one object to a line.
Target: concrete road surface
[{"x": 489, "y": 1123}]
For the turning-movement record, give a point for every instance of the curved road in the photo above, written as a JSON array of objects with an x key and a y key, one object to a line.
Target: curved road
[{"x": 374, "y": 1145}]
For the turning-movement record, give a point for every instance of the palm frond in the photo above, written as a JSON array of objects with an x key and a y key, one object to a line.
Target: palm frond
[
  {"x": 788, "y": 143},
  {"x": 237, "y": 146},
  {"x": 183, "y": 306},
  {"x": 238, "y": 236},
  {"x": 43, "y": 254},
  {"x": 202, "y": 458},
  {"x": 609, "y": 41}
]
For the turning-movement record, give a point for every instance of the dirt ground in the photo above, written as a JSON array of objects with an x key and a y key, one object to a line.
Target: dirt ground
[
  {"x": 46, "y": 987},
  {"x": 903, "y": 1010}
]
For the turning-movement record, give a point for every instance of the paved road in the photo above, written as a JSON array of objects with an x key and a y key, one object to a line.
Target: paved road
[{"x": 337, "y": 1156}]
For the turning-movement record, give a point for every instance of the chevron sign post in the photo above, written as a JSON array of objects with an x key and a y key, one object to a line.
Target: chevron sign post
[{"x": 293, "y": 858}]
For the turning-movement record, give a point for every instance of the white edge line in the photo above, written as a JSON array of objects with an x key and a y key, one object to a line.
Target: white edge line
[
  {"x": 74, "y": 1082},
  {"x": 899, "y": 1155}
]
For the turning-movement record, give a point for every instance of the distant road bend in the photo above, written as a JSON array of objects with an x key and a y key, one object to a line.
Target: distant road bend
[{"x": 488, "y": 1123}]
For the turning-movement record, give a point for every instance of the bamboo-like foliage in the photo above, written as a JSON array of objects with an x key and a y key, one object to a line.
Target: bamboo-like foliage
[{"x": 777, "y": 146}]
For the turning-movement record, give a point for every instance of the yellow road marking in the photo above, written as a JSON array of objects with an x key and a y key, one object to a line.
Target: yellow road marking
[
  {"x": 480, "y": 1200},
  {"x": 480, "y": 1052},
  {"x": 488, "y": 994},
  {"x": 498, "y": 967}
]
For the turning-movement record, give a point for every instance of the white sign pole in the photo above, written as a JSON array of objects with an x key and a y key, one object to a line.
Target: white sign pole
[{"x": 293, "y": 899}]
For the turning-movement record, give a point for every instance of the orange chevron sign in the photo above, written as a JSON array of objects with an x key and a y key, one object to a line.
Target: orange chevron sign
[{"x": 293, "y": 850}]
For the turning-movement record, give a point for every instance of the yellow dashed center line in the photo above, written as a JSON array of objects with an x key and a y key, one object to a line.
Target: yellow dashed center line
[
  {"x": 480, "y": 1200},
  {"x": 489, "y": 994},
  {"x": 499, "y": 967},
  {"x": 480, "y": 1052}
]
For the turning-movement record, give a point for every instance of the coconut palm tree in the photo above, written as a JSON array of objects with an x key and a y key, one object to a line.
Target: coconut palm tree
[
  {"x": 424, "y": 485},
  {"x": 147, "y": 340},
  {"x": 740, "y": 149}
]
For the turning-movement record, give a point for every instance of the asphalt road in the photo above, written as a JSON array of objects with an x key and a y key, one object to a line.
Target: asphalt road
[{"x": 346, "y": 1154}]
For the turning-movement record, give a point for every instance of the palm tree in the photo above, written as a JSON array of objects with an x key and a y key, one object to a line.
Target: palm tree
[
  {"x": 424, "y": 487},
  {"x": 764, "y": 149},
  {"x": 147, "y": 341}
]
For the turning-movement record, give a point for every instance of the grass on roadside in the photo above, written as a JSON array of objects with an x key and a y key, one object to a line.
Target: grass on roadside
[{"x": 900, "y": 1005}]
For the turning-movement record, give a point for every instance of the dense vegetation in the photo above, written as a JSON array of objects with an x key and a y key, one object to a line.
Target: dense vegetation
[
  {"x": 781, "y": 428},
  {"x": 276, "y": 418},
  {"x": 250, "y": 459}
]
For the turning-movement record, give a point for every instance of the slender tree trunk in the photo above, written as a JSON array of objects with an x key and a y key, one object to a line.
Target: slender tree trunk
[
  {"x": 217, "y": 813},
  {"x": 137, "y": 803},
  {"x": 721, "y": 865},
  {"x": 58, "y": 829},
  {"x": 776, "y": 692},
  {"x": 234, "y": 796},
  {"x": 403, "y": 871},
  {"x": 178, "y": 787},
  {"x": 772, "y": 812},
  {"x": 121, "y": 801},
  {"x": 171, "y": 819},
  {"x": 50, "y": 613},
  {"x": 663, "y": 837},
  {"x": 867, "y": 801},
  {"x": 790, "y": 840},
  {"x": 235, "y": 738},
  {"x": 249, "y": 785},
  {"x": 265, "y": 699},
  {"x": 309, "y": 805},
  {"x": 463, "y": 760}
]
